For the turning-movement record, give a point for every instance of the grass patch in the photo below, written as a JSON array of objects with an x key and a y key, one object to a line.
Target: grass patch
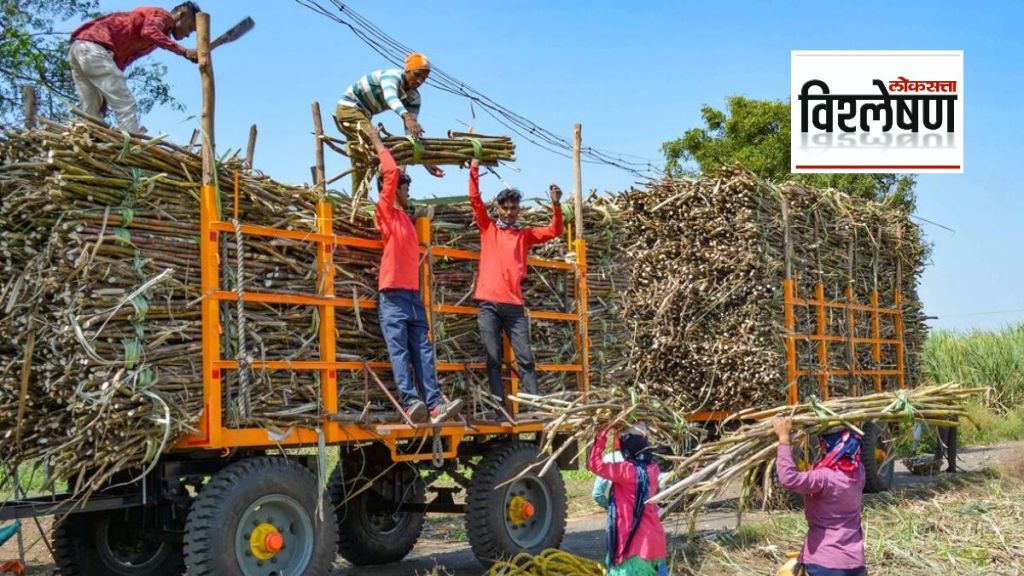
[
  {"x": 31, "y": 478},
  {"x": 994, "y": 426},
  {"x": 965, "y": 525},
  {"x": 992, "y": 359}
]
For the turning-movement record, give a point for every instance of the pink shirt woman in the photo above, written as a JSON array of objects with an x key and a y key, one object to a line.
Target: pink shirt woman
[
  {"x": 636, "y": 542},
  {"x": 832, "y": 491}
]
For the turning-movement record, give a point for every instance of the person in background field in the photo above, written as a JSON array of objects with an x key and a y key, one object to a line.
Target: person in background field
[
  {"x": 946, "y": 446},
  {"x": 103, "y": 48},
  {"x": 635, "y": 539},
  {"x": 390, "y": 89},
  {"x": 504, "y": 248},
  {"x": 832, "y": 491},
  {"x": 403, "y": 319}
]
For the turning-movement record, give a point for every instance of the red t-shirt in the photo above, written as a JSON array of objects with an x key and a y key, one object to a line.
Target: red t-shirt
[
  {"x": 131, "y": 35},
  {"x": 400, "y": 263},
  {"x": 503, "y": 251}
]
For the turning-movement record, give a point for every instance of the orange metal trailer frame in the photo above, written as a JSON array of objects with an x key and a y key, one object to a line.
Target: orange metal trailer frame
[
  {"x": 822, "y": 340},
  {"x": 212, "y": 432}
]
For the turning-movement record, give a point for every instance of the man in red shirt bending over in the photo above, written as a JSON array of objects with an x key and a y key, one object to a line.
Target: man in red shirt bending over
[
  {"x": 101, "y": 50},
  {"x": 504, "y": 248},
  {"x": 403, "y": 319}
]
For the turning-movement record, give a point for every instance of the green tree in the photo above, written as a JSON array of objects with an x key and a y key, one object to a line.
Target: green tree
[
  {"x": 33, "y": 53},
  {"x": 755, "y": 134}
]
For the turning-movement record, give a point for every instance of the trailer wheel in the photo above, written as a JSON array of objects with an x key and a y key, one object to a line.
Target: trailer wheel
[
  {"x": 505, "y": 518},
  {"x": 371, "y": 529},
  {"x": 258, "y": 517},
  {"x": 878, "y": 467},
  {"x": 113, "y": 542}
]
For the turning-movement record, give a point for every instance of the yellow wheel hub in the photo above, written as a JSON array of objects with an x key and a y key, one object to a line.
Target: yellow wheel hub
[
  {"x": 265, "y": 541},
  {"x": 880, "y": 455},
  {"x": 520, "y": 510}
]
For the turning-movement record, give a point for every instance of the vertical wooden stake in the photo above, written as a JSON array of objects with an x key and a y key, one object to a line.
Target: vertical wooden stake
[
  {"x": 28, "y": 99},
  {"x": 577, "y": 188},
  {"x": 250, "y": 150},
  {"x": 318, "y": 146},
  {"x": 206, "y": 80}
]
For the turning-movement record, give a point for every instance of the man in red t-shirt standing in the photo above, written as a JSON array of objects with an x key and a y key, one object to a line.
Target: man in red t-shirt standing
[
  {"x": 101, "y": 50},
  {"x": 403, "y": 318},
  {"x": 504, "y": 248}
]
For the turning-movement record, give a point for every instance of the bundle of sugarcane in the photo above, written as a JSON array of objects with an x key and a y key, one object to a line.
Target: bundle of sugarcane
[
  {"x": 101, "y": 294},
  {"x": 748, "y": 455},
  {"x": 458, "y": 148},
  {"x": 550, "y": 562},
  {"x": 581, "y": 416},
  {"x": 101, "y": 297},
  {"x": 705, "y": 302}
]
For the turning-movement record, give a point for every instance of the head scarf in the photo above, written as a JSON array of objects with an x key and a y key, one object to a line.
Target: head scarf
[
  {"x": 415, "y": 61},
  {"x": 839, "y": 450},
  {"x": 635, "y": 448}
]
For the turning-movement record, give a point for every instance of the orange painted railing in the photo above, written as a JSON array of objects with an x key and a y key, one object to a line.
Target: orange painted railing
[
  {"x": 213, "y": 434},
  {"x": 822, "y": 340}
]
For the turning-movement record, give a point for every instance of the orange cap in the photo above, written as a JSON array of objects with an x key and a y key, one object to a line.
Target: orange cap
[
  {"x": 273, "y": 542},
  {"x": 415, "y": 61}
]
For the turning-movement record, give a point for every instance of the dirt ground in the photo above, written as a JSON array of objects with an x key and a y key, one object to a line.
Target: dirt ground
[{"x": 444, "y": 544}]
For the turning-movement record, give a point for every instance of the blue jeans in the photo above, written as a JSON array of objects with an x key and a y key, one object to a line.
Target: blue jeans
[{"x": 403, "y": 321}]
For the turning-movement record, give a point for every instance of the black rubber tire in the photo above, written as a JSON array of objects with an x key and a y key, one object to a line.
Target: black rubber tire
[
  {"x": 877, "y": 475},
  {"x": 220, "y": 505},
  {"x": 485, "y": 516},
  {"x": 361, "y": 540},
  {"x": 91, "y": 543}
]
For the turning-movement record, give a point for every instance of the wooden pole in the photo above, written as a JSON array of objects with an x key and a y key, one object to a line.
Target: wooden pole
[
  {"x": 318, "y": 145},
  {"x": 28, "y": 99},
  {"x": 206, "y": 79},
  {"x": 250, "y": 151},
  {"x": 577, "y": 187}
]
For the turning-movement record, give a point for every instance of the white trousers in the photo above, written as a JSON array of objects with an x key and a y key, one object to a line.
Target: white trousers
[{"x": 99, "y": 80}]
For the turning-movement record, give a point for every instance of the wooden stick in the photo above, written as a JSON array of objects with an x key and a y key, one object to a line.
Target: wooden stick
[
  {"x": 209, "y": 96},
  {"x": 318, "y": 145},
  {"x": 26, "y": 371},
  {"x": 28, "y": 98},
  {"x": 250, "y": 150},
  {"x": 577, "y": 187}
]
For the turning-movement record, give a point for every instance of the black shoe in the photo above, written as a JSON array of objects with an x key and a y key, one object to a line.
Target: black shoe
[
  {"x": 417, "y": 412},
  {"x": 444, "y": 411}
]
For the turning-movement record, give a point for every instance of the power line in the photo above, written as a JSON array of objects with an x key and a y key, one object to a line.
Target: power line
[
  {"x": 394, "y": 51},
  {"x": 988, "y": 313}
]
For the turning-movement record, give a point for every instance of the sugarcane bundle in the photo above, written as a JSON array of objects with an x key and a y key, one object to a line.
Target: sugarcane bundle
[
  {"x": 573, "y": 419},
  {"x": 708, "y": 258},
  {"x": 457, "y": 149},
  {"x": 100, "y": 295},
  {"x": 748, "y": 454},
  {"x": 101, "y": 292}
]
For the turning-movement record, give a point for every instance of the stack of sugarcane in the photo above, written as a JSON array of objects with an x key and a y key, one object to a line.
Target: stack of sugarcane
[
  {"x": 748, "y": 455},
  {"x": 705, "y": 304},
  {"x": 453, "y": 283},
  {"x": 458, "y": 148},
  {"x": 101, "y": 293}
]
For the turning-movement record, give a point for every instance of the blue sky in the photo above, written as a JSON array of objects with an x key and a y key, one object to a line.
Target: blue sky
[{"x": 635, "y": 77}]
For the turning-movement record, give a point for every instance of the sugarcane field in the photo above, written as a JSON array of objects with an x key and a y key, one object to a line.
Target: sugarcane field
[{"x": 554, "y": 289}]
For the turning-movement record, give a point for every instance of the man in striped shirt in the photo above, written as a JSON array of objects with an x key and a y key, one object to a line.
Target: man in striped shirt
[{"x": 382, "y": 90}]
